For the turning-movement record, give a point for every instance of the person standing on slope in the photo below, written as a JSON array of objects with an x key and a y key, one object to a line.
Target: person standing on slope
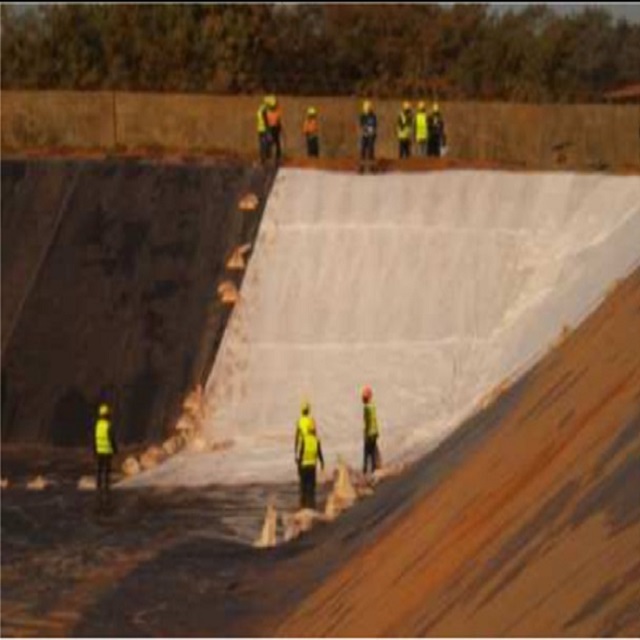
[
  {"x": 308, "y": 456},
  {"x": 371, "y": 432}
]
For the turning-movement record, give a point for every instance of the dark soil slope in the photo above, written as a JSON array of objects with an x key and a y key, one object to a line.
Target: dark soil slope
[{"x": 109, "y": 288}]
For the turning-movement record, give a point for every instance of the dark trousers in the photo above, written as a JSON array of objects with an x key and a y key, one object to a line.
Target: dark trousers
[
  {"x": 433, "y": 146},
  {"x": 367, "y": 148},
  {"x": 370, "y": 453},
  {"x": 307, "y": 487},
  {"x": 404, "y": 148},
  {"x": 264, "y": 146},
  {"x": 274, "y": 135},
  {"x": 313, "y": 146},
  {"x": 103, "y": 473}
]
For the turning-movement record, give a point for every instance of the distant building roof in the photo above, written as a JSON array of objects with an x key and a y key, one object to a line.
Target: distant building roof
[{"x": 631, "y": 93}]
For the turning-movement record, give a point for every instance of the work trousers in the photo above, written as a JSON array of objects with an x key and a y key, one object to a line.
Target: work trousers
[
  {"x": 404, "y": 148},
  {"x": 313, "y": 146},
  {"x": 307, "y": 487},
  {"x": 103, "y": 473},
  {"x": 434, "y": 146},
  {"x": 274, "y": 135},
  {"x": 368, "y": 147},
  {"x": 422, "y": 147},
  {"x": 264, "y": 146},
  {"x": 370, "y": 453}
]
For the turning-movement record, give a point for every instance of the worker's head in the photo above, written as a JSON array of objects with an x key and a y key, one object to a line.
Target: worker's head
[
  {"x": 312, "y": 112},
  {"x": 103, "y": 410},
  {"x": 367, "y": 107},
  {"x": 305, "y": 407},
  {"x": 421, "y": 105},
  {"x": 265, "y": 100},
  {"x": 406, "y": 106},
  {"x": 272, "y": 101},
  {"x": 367, "y": 394},
  {"x": 435, "y": 108}
]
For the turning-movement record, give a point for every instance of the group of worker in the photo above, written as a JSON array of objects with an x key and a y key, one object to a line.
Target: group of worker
[
  {"x": 427, "y": 130},
  {"x": 308, "y": 448}
]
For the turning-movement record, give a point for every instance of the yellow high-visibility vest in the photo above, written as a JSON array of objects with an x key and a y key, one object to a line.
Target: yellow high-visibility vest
[
  {"x": 261, "y": 124},
  {"x": 304, "y": 425},
  {"x": 370, "y": 421},
  {"x": 421, "y": 126},
  {"x": 404, "y": 127},
  {"x": 310, "y": 454},
  {"x": 103, "y": 441}
]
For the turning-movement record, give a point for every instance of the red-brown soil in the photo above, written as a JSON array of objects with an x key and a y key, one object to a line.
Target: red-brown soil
[{"x": 537, "y": 533}]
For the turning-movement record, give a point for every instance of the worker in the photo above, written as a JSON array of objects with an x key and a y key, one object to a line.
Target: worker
[
  {"x": 371, "y": 432},
  {"x": 304, "y": 424},
  {"x": 403, "y": 130},
  {"x": 421, "y": 131},
  {"x": 309, "y": 454},
  {"x": 437, "y": 138},
  {"x": 368, "y": 132},
  {"x": 263, "y": 133},
  {"x": 310, "y": 130},
  {"x": 274, "y": 126},
  {"x": 105, "y": 448}
]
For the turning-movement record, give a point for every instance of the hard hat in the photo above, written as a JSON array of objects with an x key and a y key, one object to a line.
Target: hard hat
[
  {"x": 366, "y": 106},
  {"x": 367, "y": 393},
  {"x": 406, "y": 106},
  {"x": 422, "y": 105},
  {"x": 312, "y": 111},
  {"x": 103, "y": 410},
  {"x": 305, "y": 406}
]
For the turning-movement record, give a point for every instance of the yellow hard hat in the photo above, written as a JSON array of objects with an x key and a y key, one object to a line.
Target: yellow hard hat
[
  {"x": 312, "y": 111},
  {"x": 422, "y": 105},
  {"x": 103, "y": 410},
  {"x": 367, "y": 106},
  {"x": 406, "y": 106},
  {"x": 305, "y": 406}
]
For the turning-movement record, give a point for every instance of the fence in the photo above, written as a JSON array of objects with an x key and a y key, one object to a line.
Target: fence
[{"x": 595, "y": 136}]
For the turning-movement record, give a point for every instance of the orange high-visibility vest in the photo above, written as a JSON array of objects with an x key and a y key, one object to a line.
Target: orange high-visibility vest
[
  {"x": 273, "y": 117},
  {"x": 310, "y": 127}
]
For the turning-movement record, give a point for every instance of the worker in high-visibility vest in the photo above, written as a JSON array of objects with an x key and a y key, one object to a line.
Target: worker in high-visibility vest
[
  {"x": 403, "y": 130},
  {"x": 274, "y": 125},
  {"x": 371, "y": 432},
  {"x": 309, "y": 454},
  {"x": 310, "y": 129},
  {"x": 105, "y": 448},
  {"x": 303, "y": 425},
  {"x": 264, "y": 146},
  {"x": 421, "y": 129}
]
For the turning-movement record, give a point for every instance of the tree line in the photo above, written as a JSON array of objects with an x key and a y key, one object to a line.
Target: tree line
[{"x": 463, "y": 52}]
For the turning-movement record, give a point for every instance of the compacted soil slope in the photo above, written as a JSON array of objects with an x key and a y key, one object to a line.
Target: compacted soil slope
[
  {"x": 537, "y": 533},
  {"x": 109, "y": 278}
]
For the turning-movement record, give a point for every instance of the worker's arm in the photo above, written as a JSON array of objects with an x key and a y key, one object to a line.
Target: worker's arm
[
  {"x": 296, "y": 444},
  {"x": 112, "y": 439},
  {"x": 301, "y": 452},
  {"x": 320, "y": 457}
]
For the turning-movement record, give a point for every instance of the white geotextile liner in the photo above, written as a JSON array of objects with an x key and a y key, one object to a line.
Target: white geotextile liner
[{"x": 430, "y": 287}]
